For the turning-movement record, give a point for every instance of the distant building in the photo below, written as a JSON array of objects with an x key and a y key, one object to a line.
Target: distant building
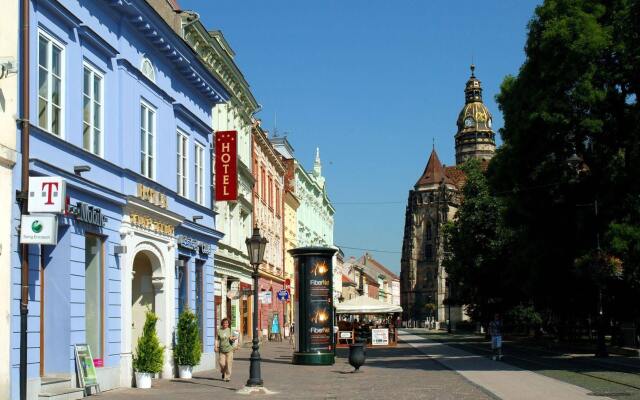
[
  {"x": 388, "y": 281},
  {"x": 433, "y": 201}
]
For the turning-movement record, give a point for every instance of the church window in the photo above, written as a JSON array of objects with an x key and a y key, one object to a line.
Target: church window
[
  {"x": 428, "y": 252},
  {"x": 428, "y": 234}
]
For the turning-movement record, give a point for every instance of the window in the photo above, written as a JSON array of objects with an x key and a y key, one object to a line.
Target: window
[
  {"x": 93, "y": 293},
  {"x": 278, "y": 201},
  {"x": 428, "y": 252},
  {"x": 147, "y": 69},
  {"x": 428, "y": 233},
  {"x": 263, "y": 183},
  {"x": 200, "y": 297},
  {"x": 256, "y": 171},
  {"x": 92, "y": 111},
  {"x": 182, "y": 165},
  {"x": 147, "y": 141},
  {"x": 199, "y": 179},
  {"x": 270, "y": 192},
  {"x": 50, "y": 64},
  {"x": 183, "y": 284}
]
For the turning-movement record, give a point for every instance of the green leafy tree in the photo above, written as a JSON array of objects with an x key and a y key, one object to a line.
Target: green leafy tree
[
  {"x": 475, "y": 244},
  {"x": 149, "y": 355},
  {"x": 574, "y": 98},
  {"x": 188, "y": 347}
]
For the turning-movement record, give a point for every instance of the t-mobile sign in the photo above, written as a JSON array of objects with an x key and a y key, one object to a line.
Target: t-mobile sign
[{"x": 47, "y": 194}]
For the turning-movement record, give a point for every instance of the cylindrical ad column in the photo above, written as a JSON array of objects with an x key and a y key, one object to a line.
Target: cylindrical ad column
[{"x": 315, "y": 309}]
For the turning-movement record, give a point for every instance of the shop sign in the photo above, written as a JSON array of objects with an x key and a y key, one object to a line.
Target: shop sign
[
  {"x": 380, "y": 337},
  {"x": 47, "y": 194},
  {"x": 226, "y": 166},
  {"x": 151, "y": 224},
  {"x": 86, "y": 213},
  {"x": 194, "y": 244},
  {"x": 283, "y": 295},
  {"x": 152, "y": 196},
  {"x": 265, "y": 297},
  {"x": 39, "y": 229}
]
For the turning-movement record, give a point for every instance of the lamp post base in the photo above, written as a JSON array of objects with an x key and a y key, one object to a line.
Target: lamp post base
[{"x": 247, "y": 390}]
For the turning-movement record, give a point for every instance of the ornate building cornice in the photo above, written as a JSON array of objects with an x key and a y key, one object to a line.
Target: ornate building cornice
[{"x": 216, "y": 54}]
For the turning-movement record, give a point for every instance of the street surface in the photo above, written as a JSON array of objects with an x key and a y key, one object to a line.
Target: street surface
[
  {"x": 423, "y": 366},
  {"x": 392, "y": 374}
]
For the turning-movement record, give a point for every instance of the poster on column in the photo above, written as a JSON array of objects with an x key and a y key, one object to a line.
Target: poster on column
[
  {"x": 226, "y": 166},
  {"x": 319, "y": 307}
]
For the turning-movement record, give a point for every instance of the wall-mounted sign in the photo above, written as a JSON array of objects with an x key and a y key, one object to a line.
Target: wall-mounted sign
[
  {"x": 47, "y": 194},
  {"x": 380, "y": 337},
  {"x": 265, "y": 297},
  {"x": 226, "y": 166},
  {"x": 39, "y": 229},
  {"x": 283, "y": 295},
  {"x": 152, "y": 196},
  {"x": 194, "y": 244},
  {"x": 151, "y": 224},
  {"x": 88, "y": 214}
]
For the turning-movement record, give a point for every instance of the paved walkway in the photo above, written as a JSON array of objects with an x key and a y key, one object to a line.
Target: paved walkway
[
  {"x": 390, "y": 374},
  {"x": 503, "y": 380}
]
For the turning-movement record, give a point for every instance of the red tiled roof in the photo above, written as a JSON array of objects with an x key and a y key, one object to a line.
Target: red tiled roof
[
  {"x": 346, "y": 279},
  {"x": 456, "y": 175},
  {"x": 366, "y": 258},
  {"x": 434, "y": 172}
]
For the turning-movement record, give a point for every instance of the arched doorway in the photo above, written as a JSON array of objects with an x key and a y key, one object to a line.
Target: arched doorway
[{"x": 142, "y": 294}]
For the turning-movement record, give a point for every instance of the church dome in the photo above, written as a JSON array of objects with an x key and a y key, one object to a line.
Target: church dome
[{"x": 474, "y": 116}]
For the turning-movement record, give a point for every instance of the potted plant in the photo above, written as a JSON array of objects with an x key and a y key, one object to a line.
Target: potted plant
[
  {"x": 149, "y": 356},
  {"x": 188, "y": 348}
]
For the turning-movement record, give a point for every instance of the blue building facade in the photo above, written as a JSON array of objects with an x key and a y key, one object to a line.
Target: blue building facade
[{"x": 118, "y": 91}]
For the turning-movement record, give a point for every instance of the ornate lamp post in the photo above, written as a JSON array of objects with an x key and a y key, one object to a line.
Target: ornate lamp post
[{"x": 256, "y": 245}]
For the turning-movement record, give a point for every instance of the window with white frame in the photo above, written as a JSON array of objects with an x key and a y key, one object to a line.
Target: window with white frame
[
  {"x": 199, "y": 181},
  {"x": 183, "y": 168},
  {"x": 50, "y": 83},
  {"x": 147, "y": 140},
  {"x": 92, "y": 110}
]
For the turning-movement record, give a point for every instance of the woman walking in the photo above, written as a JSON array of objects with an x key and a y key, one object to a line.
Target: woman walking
[{"x": 225, "y": 345}]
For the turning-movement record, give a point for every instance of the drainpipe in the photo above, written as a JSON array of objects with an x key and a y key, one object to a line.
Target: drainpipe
[{"x": 23, "y": 196}]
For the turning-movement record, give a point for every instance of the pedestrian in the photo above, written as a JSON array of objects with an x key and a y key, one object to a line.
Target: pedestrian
[
  {"x": 225, "y": 344},
  {"x": 495, "y": 330}
]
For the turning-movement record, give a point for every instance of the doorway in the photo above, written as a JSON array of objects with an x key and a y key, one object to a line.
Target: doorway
[{"x": 142, "y": 295}]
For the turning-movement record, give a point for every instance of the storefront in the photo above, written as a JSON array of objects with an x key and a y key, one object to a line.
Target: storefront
[{"x": 271, "y": 310}]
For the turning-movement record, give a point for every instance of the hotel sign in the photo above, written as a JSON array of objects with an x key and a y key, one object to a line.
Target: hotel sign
[
  {"x": 152, "y": 196},
  {"x": 151, "y": 224},
  {"x": 226, "y": 166},
  {"x": 88, "y": 214}
]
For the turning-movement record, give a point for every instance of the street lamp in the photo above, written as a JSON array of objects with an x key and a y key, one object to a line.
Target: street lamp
[{"x": 256, "y": 245}]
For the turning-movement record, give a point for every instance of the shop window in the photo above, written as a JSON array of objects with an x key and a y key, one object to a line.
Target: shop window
[
  {"x": 200, "y": 297},
  {"x": 183, "y": 284},
  {"x": 94, "y": 293}
]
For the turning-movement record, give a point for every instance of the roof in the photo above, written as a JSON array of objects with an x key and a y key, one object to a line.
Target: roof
[
  {"x": 366, "y": 305},
  {"x": 366, "y": 259},
  {"x": 434, "y": 172},
  {"x": 346, "y": 279},
  {"x": 456, "y": 175}
]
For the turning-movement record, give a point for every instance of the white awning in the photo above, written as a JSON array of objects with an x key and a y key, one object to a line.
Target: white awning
[{"x": 366, "y": 305}]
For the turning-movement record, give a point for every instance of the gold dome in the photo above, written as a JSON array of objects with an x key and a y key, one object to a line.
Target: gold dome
[{"x": 474, "y": 117}]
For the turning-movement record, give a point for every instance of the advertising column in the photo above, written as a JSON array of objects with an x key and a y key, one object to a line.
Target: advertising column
[{"x": 315, "y": 309}]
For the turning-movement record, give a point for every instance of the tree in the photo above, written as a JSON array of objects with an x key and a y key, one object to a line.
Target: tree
[
  {"x": 575, "y": 97},
  {"x": 149, "y": 355},
  {"x": 475, "y": 247},
  {"x": 188, "y": 346}
]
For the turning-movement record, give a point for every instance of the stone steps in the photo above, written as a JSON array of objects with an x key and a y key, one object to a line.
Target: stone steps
[{"x": 59, "y": 388}]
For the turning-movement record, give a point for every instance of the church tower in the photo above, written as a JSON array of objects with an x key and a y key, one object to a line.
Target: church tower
[{"x": 474, "y": 138}]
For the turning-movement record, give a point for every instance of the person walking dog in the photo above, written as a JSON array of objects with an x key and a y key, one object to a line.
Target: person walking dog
[
  {"x": 495, "y": 330},
  {"x": 225, "y": 341}
]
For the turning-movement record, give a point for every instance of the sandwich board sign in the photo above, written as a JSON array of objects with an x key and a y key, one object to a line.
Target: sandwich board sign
[{"x": 86, "y": 368}]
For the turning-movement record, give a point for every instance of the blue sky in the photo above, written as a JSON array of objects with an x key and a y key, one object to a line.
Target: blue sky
[{"x": 372, "y": 83}]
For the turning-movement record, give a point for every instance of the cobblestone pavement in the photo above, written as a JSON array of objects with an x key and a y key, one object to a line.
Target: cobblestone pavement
[{"x": 397, "y": 373}]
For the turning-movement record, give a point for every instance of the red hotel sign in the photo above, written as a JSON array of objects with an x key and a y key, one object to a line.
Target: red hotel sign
[{"x": 226, "y": 166}]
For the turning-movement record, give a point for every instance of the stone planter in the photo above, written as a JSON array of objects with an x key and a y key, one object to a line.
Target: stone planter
[
  {"x": 143, "y": 380},
  {"x": 185, "y": 371}
]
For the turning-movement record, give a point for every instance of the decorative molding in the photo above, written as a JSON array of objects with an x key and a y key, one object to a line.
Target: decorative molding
[
  {"x": 60, "y": 11},
  {"x": 87, "y": 34},
  {"x": 183, "y": 111}
]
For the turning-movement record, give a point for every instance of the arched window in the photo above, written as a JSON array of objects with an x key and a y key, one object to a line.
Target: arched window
[
  {"x": 147, "y": 69},
  {"x": 428, "y": 231}
]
